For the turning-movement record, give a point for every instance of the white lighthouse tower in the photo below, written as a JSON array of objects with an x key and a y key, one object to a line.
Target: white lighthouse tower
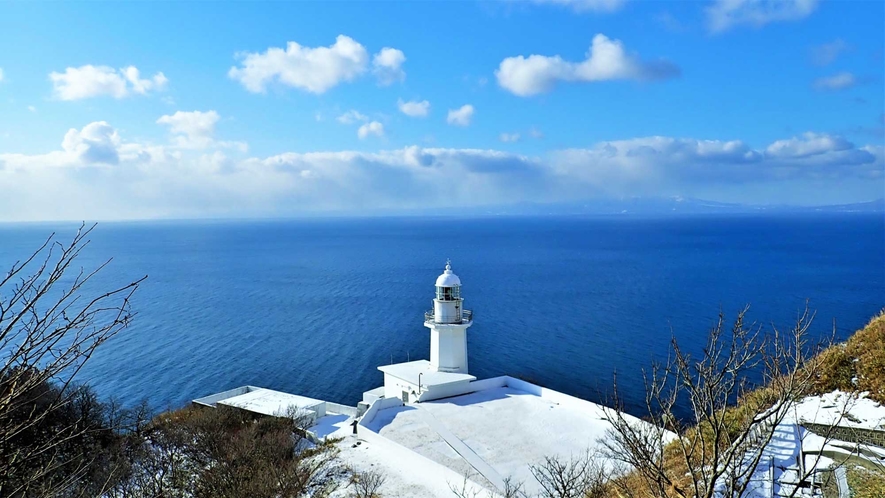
[
  {"x": 445, "y": 374},
  {"x": 448, "y": 323}
]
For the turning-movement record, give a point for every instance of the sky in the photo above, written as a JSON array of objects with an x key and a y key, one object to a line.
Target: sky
[{"x": 143, "y": 110}]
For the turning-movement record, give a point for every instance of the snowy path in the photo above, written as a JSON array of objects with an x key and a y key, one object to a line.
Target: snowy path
[
  {"x": 842, "y": 482},
  {"x": 462, "y": 449}
]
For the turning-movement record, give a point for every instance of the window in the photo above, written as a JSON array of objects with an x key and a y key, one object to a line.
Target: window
[{"x": 447, "y": 293}]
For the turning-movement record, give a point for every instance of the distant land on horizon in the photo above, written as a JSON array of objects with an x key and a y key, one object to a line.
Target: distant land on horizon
[
  {"x": 641, "y": 206},
  {"x": 649, "y": 206}
]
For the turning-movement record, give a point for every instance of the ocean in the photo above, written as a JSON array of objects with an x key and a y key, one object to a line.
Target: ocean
[{"x": 314, "y": 306}]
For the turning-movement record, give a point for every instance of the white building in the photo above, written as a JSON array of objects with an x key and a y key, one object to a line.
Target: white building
[{"x": 445, "y": 374}]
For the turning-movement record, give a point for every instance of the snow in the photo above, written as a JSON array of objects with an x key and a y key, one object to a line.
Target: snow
[
  {"x": 790, "y": 439},
  {"x": 410, "y": 372},
  {"x": 505, "y": 428},
  {"x": 270, "y": 402},
  {"x": 326, "y": 426},
  {"x": 406, "y": 474},
  {"x": 830, "y": 408}
]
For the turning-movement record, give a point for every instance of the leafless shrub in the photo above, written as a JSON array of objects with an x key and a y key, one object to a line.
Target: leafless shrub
[
  {"x": 720, "y": 447},
  {"x": 48, "y": 330},
  {"x": 366, "y": 484},
  {"x": 581, "y": 477}
]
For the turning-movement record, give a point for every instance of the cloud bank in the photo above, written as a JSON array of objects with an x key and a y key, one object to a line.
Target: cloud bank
[{"x": 97, "y": 174}]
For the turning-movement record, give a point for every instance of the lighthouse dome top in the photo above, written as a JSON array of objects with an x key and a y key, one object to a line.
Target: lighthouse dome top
[{"x": 448, "y": 278}]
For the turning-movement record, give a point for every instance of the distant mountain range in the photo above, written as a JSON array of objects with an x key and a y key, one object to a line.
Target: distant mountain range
[{"x": 653, "y": 206}]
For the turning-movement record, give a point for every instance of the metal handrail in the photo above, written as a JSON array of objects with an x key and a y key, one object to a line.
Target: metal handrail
[{"x": 466, "y": 316}]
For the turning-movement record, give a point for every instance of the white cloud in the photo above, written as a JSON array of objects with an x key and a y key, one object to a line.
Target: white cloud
[
  {"x": 725, "y": 14},
  {"x": 1, "y": 74},
  {"x": 509, "y": 137},
  {"x": 606, "y": 60},
  {"x": 374, "y": 128},
  {"x": 387, "y": 66},
  {"x": 535, "y": 133},
  {"x": 315, "y": 70},
  {"x": 809, "y": 144},
  {"x": 32, "y": 108},
  {"x": 414, "y": 108},
  {"x": 351, "y": 117},
  {"x": 96, "y": 174},
  {"x": 93, "y": 81},
  {"x": 586, "y": 5},
  {"x": 96, "y": 143},
  {"x": 839, "y": 81},
  {"x": 827, "y": 53},
  {"x": 195, "y": 130},
  {"x": 460, "y": 116}
]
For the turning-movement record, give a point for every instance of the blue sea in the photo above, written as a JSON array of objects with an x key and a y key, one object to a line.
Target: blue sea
[{"x": 314, "y": 306}]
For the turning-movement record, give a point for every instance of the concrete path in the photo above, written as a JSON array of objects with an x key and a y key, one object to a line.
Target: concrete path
[{"x": 461, "y": 448}]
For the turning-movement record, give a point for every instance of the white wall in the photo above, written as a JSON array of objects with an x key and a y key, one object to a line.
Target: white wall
[
  {"x": 394, "y": 387},
  {"x": 377, "y": 406}
]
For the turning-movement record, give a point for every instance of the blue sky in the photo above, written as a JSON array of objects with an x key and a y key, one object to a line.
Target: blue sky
[{"x": 149, "y": 110}]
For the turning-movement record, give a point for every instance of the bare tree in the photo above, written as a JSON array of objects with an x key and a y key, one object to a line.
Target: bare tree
[
  {"x": 584, "y": 476},
  {"x": 366, "y": 484},
  {"x": 580, "y": 477},
  {"x": 717, "y": 450},
  {"x": 49, "y": 328}
]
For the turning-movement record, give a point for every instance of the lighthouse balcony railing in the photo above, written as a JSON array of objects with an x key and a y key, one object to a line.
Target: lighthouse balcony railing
[{"x": 466, "y": 316}]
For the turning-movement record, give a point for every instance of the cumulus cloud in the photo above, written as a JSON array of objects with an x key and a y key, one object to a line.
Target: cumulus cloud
[
  {"x": 586, "y": 5},
  {"x": 373, "y": 128},
  {"x": 509, "y": 137},
  {"x": 460, "y": 116},
  {"x": 93, "y": 81},
  {"x": 827, "y": 53},
  {"x": 1, "y": 74},
  {"x": 96, "y": 143},
  {"x": 414, "y": 108},
  {"x": 95, "y": 174},
  {"x": 387, "y": 66},
  {"x": 351, "y": 117},
  {"x": 726, "y": 14},
  {"x": 195, "y": 130},
  {"x": 606, "y": 60},
  {"x": 839, "y": 81},
  {"x": 315, "y": 70}
]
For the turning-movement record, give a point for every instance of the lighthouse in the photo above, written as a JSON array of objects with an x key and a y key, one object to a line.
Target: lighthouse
[
  {"x": 445, "y": 374},
  {"x": 448, "y": 322}
]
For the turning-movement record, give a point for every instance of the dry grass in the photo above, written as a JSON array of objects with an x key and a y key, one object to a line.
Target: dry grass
[
  {"x": 862, "y": 357},
  {"x": 866, "y": 484}
]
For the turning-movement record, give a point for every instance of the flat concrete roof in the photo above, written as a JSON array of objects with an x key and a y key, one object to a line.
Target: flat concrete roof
[
  {"x": 269, "y": 402},
  {"x": 501, "y": 431},
  {"x": 410, "y": 371}
]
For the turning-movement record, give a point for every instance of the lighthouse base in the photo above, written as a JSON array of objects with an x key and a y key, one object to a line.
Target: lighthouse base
[{"x": 416, "y": 381}]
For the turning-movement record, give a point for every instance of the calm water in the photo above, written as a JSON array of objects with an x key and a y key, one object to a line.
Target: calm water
[{"x": 312, "y": 307}]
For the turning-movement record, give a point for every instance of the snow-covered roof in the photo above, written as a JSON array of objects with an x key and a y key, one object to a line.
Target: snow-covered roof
[
  {"x": 501, "y": 430},
  {"x": 270, "y": 402},
  {"x": 410, "y": 372},
  {"x": 448, "y": 278}
]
